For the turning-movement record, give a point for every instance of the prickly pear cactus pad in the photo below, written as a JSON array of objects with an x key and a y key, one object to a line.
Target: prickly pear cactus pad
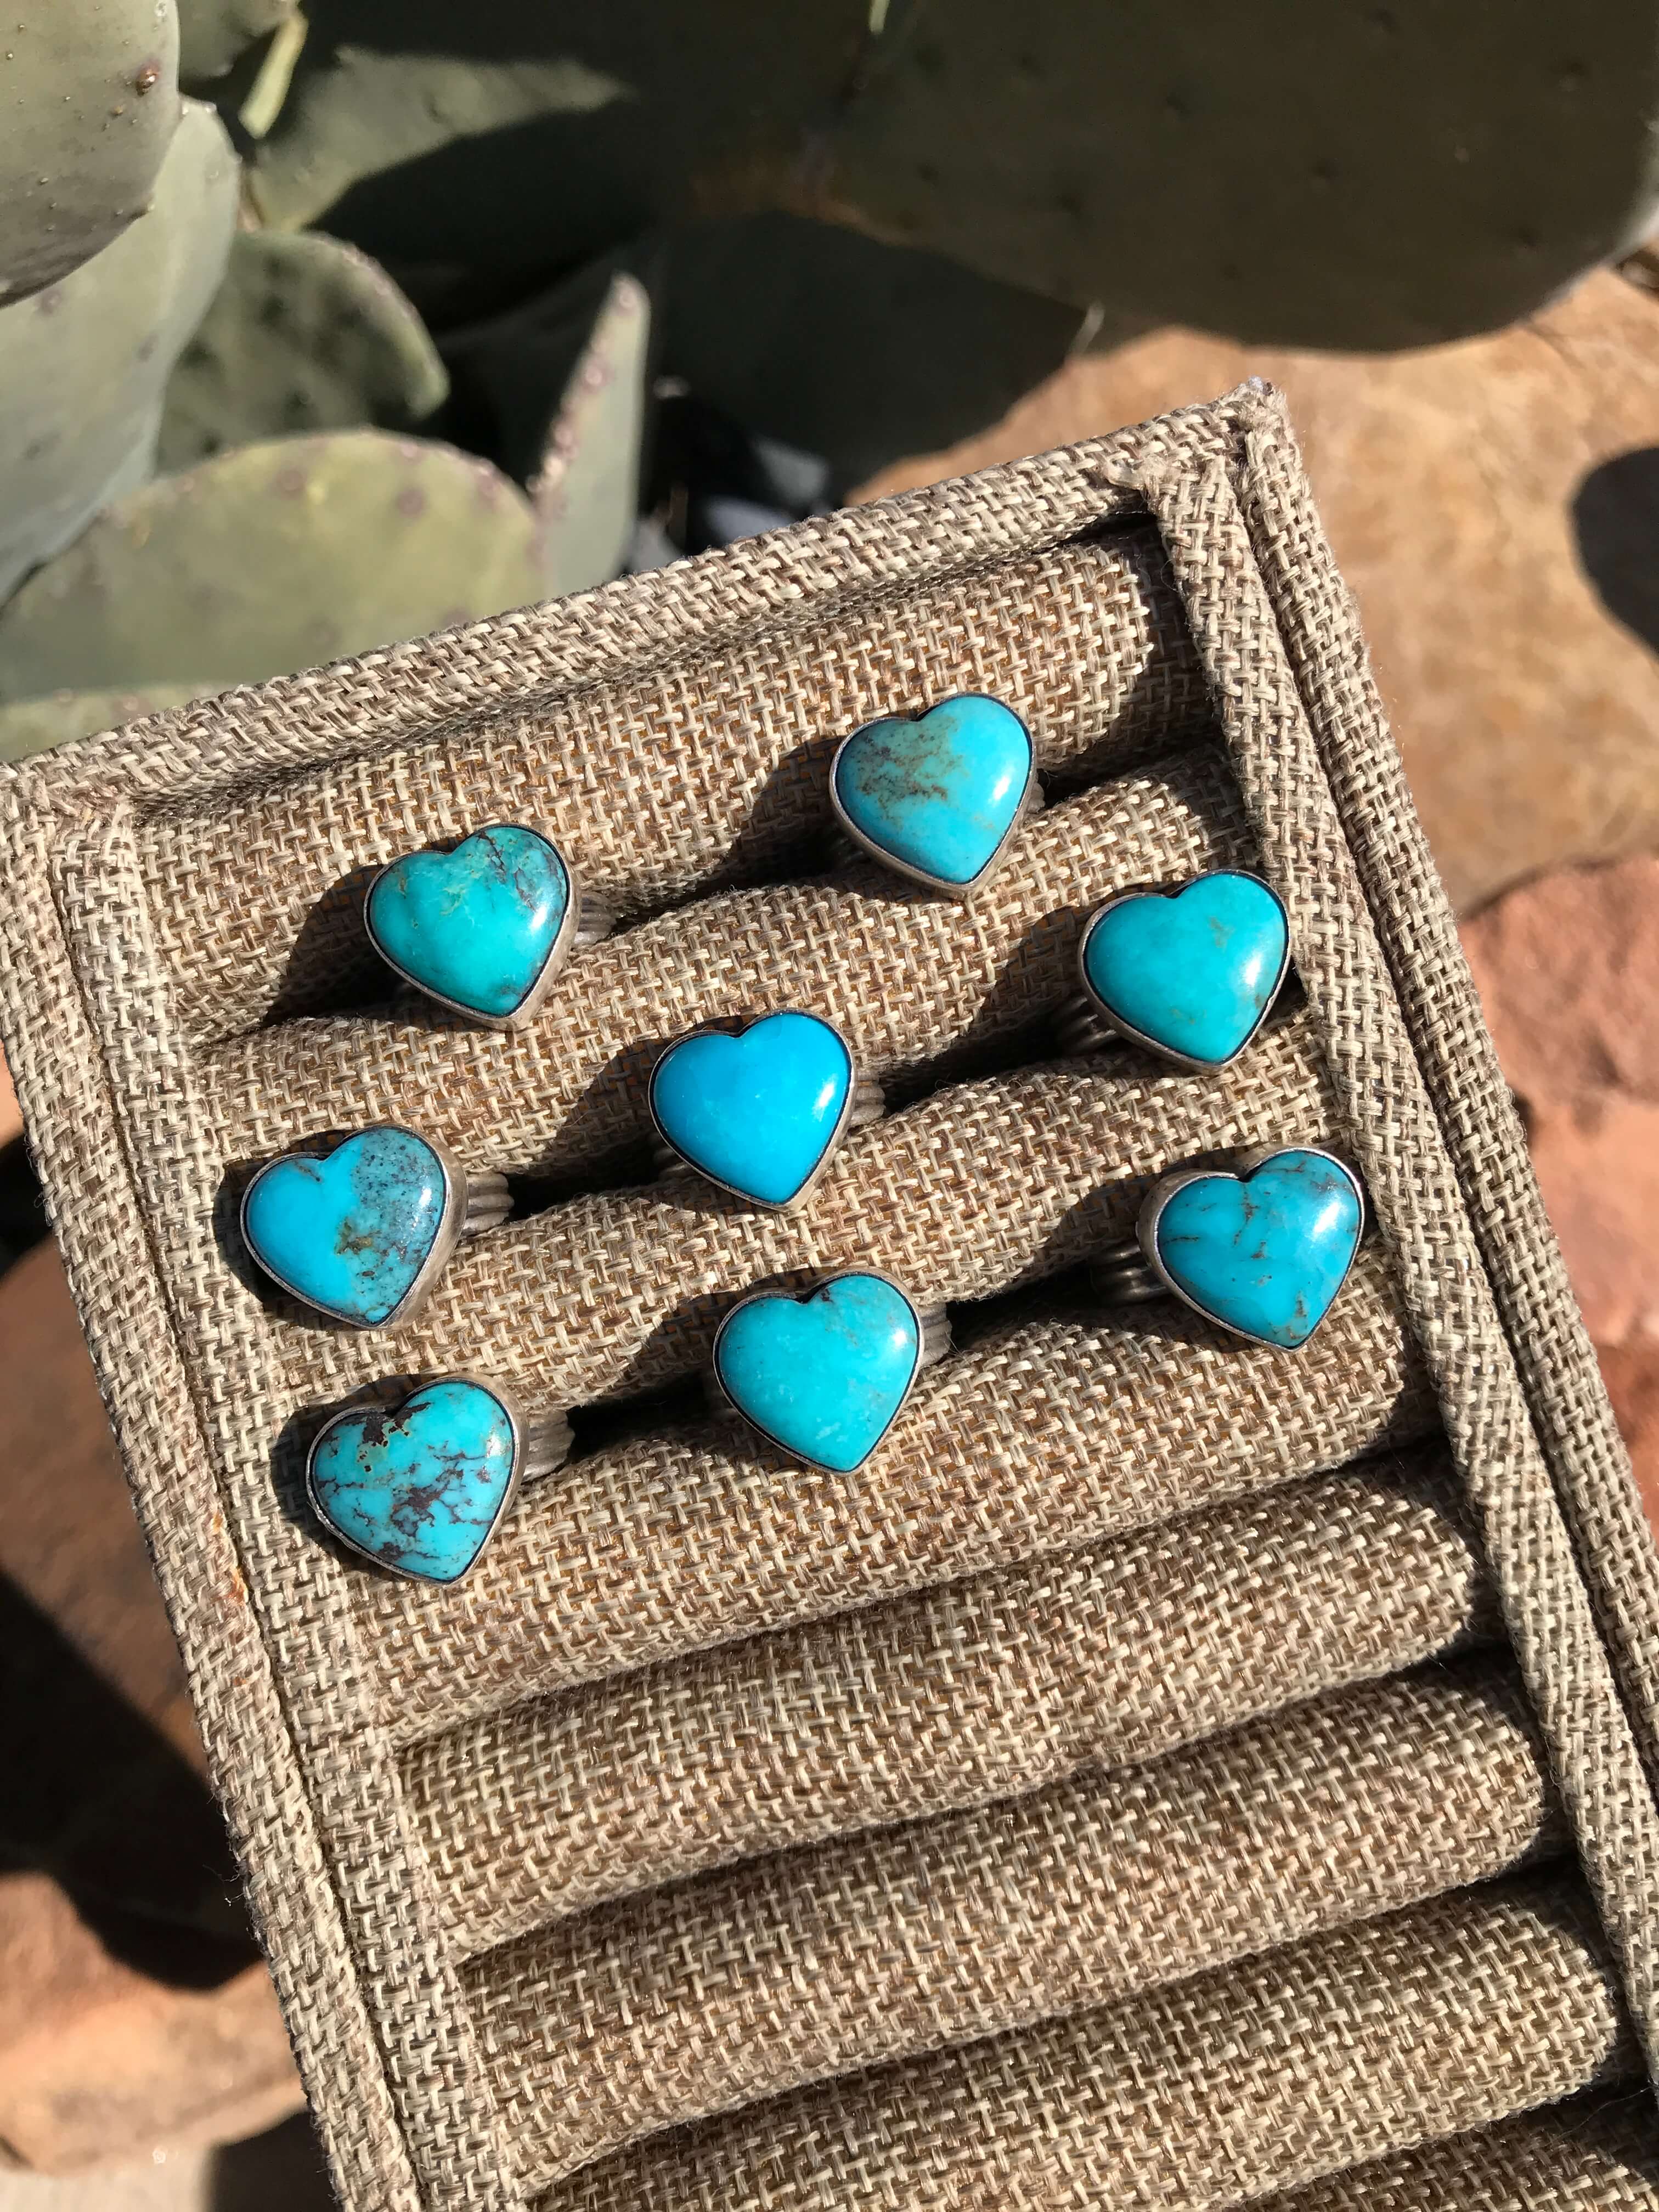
[
  {"x": 588, "y": 486},
  {"x": 83, "y": 364},
  {"x": 271, "y": 558},
  {"x": 304, "y": 334},
  {"x": 213, "y": 32},
  {"x": 1337, "y": 177},
  {"x": 89, "y": 91}
]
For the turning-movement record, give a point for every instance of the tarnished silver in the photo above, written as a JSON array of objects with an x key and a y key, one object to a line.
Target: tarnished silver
[
  {"x": 1086, "y": 1025},
  {"x": 585, "y": 921},
  {"x": 934, "y": 1343},
  {"x": 865, "y": 1102},
  {"x": 850, "y": 842},
  {"x": 475, "y": 1199},
  {"x": 1132, "y": 1269},
  {"x": 541, "y": 1444}
]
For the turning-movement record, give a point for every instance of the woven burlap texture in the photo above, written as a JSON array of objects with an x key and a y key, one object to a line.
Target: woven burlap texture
[{"x": 1011, "y": 1817}]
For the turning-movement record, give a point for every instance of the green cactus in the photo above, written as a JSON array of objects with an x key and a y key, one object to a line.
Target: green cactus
[
  {"x": 304, "y": 334},
  {"x": 586, "y": 488},
  {"x": 367, "y": 112},
  {"x": 408, "y": 132},
  {"x": 35, "y": 724},
  {"x": 271, "y": 558},
  {"x": 556, "y": 389},
  {"x": 89, "y": 89},
  {"x": 213, "y": 32},
  {"x": 1359, "y": 177},
  {"x": 83, "y": 364}
]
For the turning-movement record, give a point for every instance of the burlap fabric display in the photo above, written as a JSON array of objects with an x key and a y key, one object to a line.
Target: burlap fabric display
[{"x": 1169, "y": 1774}]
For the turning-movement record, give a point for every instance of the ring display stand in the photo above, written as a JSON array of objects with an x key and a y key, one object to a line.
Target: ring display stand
[{"x": 1170, "y": 1772}]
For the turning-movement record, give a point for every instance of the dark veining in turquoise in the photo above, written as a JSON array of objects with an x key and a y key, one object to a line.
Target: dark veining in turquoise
[
  {"x": 1265, "y": 1255},
  {"x": 937, "y": 793},
  {"x": 477, "y": 925},
  {"x": 418, "y": 1490},
  {"x": 349, "y": 1233}
]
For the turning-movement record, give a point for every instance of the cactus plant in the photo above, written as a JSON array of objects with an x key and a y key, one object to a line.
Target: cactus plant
[
  {"x": 272, "y": 557},
  {"x": 213, "y": 32},
  {"x": 1293, "y": 175},
  {"x": 83, "y": 364},
  {"x": 90, "y": 93},
  {"x": 406, "y": 130},
  {"x": 557, "y": 390},
  {"x": 33, "y": 725},
  {"x": 304, "y": 334},
  {"x": 367, "y": 112},
  {"x": 586, "y": 488}
]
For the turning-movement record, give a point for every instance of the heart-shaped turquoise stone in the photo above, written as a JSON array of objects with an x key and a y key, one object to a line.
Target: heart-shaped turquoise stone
[
  {"x": 1194, "y": 973},
  {"x": 821, "y": 1376},
  {"x": 475, "y": 927},
  {"x": 756, "y": 1112},
  {"x": 1264, "y": 1254},
  {"x": 938, "y": 794},
  {"x": 349, "y": 1233},
  {"x": 419, "y": 1490}
]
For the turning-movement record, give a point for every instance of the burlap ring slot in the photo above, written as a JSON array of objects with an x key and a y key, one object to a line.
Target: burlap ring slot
[{"x": 1169, "y": 1774}]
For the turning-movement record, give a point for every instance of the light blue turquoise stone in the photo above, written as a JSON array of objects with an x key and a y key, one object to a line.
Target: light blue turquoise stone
[
  {"x": 477, "y": 925},
  {"x": 937, "y": 793},
  {"x": 823, "y": 1376},
  {"x": 1194, "y": 972},
  {"x": 1266, "y": 1255},
  {"x": 419, "y": 1490},
  {"x": 349, "y": 1233},
  {"x": 756, "y": 1112}
]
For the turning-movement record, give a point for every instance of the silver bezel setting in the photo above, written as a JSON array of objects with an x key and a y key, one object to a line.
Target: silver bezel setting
[
  {"x": 933, "y": 1340},
  {"x": 1030, "y": 798},
  {"x": 1126, "y": 1029},
  {"x": 557, "y": 953},
  {"x": 739, "y": 1028},
  {"x": 1243, "y": 1166},
  {"x": 451, "y": 1224},
  {"x": 521, "y": 1429}
]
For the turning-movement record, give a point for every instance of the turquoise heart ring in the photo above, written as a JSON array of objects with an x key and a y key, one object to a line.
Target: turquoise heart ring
[
  {"x": 938, "y": 796},
  {"x": 1261, "y": 1248},
  {"x": 485, "y": 928},
  {"x": 360, "y": 1227},
  {"x": 1190, "y": 974},
  {"x": 759, "y": 1107},
  {"x": 420, "y": 1484},
  {"x": 823, "y": 1375}
]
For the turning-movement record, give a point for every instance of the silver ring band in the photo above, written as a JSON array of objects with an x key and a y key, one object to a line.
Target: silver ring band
[
  {"x": 936, "y": 1339},
  {"x": 544, "y": 1444},
  {"x": 1123, "y": 1275},
  {"x": 1083, "y": 1030},
  {"x": 484, "y": 1202},
  {"x": 594, "y": 919}
]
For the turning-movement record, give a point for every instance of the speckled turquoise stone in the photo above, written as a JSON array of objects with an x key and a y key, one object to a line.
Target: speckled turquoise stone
[
  {"x": 475, "y": 927},
  {"x": 823, "y": 1376},
  {"x": 349, "y": 1233},
  {"x": 1192, "y": 974},
  {"x": 756, "y": 1112},
  {"x": 1266, "y": 1255},
  {"x": 939, "y": 793},
  {"x": 418, "y": 1490}
]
